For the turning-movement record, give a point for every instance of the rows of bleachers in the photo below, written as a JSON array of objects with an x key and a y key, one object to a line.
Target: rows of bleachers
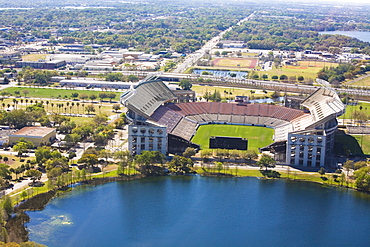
[
  {"x": 301, "y": 122},
  {"x": 281, "y": 132},
  {"x": 264, "y": 110},
  {"x": 323, "y": 103},
  {"x": 166, "y": 117},
  {"x": 185, "y": 128},
  {"x": 182, "y": 119},
  {"x": 147, "y": 96}
]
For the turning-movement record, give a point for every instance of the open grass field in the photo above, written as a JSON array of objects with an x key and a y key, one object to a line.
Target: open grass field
[
  {"x": 352, "y": 108},
  {"x": 307, "y": 69},
  {"x": 361, "y": 81},
  {"x": 257, "y": 136},
  {"x": 364, "y": 142},
  {"x": 201, "y": 90},
  {"x": 235, "y": 62},
  {"x": 51, "y": 92},
  {"x": 348, "y": 144},
  {"x": 33, "y": 57}
]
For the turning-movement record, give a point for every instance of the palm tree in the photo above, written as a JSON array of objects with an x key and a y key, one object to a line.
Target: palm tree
[
  {"x": 78, "y": 104},
  {"x": 47, "y": 103}
]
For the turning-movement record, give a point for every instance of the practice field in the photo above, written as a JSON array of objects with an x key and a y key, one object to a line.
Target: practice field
[
  {"x": 235, "y": 62},
  {"x": 51, "y": 92},
  {"x": 257, "y": 136}
]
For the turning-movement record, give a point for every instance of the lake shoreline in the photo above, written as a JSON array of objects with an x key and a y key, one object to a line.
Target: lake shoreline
[{"x": 19, "y": 233}]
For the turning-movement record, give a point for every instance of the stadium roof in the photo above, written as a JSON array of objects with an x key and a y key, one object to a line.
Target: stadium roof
[{"x": 147, "y": 96}]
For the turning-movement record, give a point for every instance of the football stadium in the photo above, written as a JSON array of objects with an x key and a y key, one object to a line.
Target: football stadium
[{"x": 302, "y": 137}]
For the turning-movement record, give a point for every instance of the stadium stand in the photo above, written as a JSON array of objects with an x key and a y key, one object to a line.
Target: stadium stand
[
  {"x": 147, "y": 96},
  {"x": 149, "y": 100}
]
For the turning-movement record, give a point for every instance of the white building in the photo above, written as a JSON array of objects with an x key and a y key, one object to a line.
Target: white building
[{"x": 149, "y": 138}]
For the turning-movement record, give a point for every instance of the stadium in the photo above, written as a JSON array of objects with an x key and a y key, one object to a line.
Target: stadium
[{"x": 302, "y": 137}]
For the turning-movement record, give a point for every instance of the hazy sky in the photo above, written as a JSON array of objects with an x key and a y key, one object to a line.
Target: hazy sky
[{"x": 340, "y": 1}]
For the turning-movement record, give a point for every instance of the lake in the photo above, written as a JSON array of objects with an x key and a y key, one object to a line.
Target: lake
[
  {"x": 198, "y": 211},
  {"x": 363, "y": 36}
]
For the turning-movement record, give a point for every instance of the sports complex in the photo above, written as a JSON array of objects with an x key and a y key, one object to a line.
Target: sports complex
[{"x": 299, "y": 137}]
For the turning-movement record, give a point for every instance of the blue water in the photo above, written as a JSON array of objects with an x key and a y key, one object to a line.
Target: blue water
[
  {"x": 221, "y": 73},
  {"x": 196, "y": 211},
  {"x": 363, "y": 36}
]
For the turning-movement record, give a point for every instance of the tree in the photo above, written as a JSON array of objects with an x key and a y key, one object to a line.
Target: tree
[
  {"x": 348, "y": 165},
  {"x": 116, "y": 107},
  {"x": 74, "y": 95},
  {"x": 34, "y": 174},
  {"x": 189, "y": 152},
  {"x": 283, "y": 77},
  {"x": 111, "y": 96},
  {"x": 125, "y": 159},
  {"x": 266, "y": 161},
  {"x": 83, "y": 96},
  {"x": 322, "y": 171},
  {"x": 25, "y": 92},
  {"x": 180, "y": 165},
  {"x": 92, "y": 97},
  {"x": 100, "y": 119},
  {"x": 22, "y": 146},
  {"x": 102, "y": 96},
  {"x": 359, "y": 164},
  {"x": 7, "y": 205},
  {"x": 362, "y": 177},
  {"x": 90, "y": 108},
  {"x": 54, "y": 173},
  {"x": 147, "y": 159},
  {"x": 249, "y": 155},
  {"x": 219, "y": 166},
  {"x": 185, "y": 84},
  {"x": 4, "y": 170},
  {"x": 89, "y": 159}
]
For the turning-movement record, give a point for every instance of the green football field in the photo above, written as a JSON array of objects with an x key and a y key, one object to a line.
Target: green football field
[{"x": 257, "y": 136}]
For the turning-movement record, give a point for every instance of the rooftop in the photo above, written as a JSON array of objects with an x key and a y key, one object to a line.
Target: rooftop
[{"x": 33, "y": 131}]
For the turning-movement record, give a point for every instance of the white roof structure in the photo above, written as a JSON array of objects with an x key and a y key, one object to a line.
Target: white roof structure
[
  {"x": 147, "y": 97},
  {"x": 323, "y": 103}
]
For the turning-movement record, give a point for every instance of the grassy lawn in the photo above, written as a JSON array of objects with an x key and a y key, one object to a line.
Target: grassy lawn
[
  {"x": 52, "y": 92},
  {"x": 327, "y": 179},
  {"x": 68, "y": 106},
  {"x": 351, "y": 108},
  {"x": 201, "y": 90},
  {"x": 364, "y": 142},
  {"x": 347, "y": 144},
  {"x": 307, "y": 69},
  {"x": 257, "y": 136},
  {"x": 362, "y": 82},
  {"x": 33, "y": 57}
]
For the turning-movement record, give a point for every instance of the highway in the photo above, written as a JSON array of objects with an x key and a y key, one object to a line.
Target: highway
[
  {"x": 191, "y": 59},
  {"x": 249, "y": 83}
]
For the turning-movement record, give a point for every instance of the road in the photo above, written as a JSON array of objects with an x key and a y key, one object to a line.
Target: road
[{"x": 191, "y": 59}]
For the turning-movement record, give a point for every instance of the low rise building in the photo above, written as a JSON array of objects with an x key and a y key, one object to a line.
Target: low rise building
[{"x": 37, "y": 135}]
